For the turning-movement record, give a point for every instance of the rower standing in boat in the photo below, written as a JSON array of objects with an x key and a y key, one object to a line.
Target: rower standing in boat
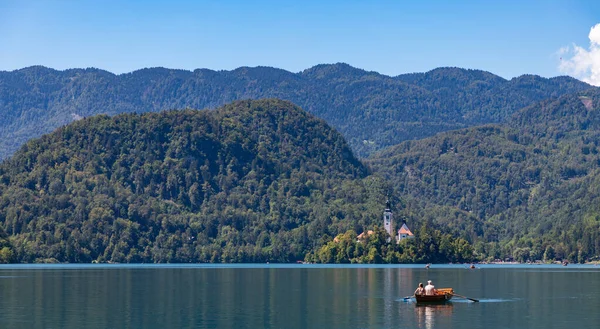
[{"x": 430, "y": 289}]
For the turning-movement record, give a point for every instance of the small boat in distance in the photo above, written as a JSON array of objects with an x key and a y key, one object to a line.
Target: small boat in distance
[{"x": 442, "y": 295}]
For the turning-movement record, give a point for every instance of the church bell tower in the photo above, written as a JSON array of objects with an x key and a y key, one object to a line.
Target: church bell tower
[{"x": 388, "y": 220}]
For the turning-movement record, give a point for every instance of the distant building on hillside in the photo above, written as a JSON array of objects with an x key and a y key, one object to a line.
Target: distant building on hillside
[
  {"x": 388, "y": 220},
  {"x": 361, "y": 237},
  {"x": 388, "y": 224},
  {"x": 404, "y": 233}
]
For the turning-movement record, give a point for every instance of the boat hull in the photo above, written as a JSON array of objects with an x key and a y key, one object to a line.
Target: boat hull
[{"x": 443, "y": 295}]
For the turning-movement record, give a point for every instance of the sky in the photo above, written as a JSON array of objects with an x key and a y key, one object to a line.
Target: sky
[{"x": 508, "y": 38}]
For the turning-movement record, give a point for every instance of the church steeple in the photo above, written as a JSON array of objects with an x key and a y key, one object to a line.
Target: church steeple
[{"x": 388, "y": 220}]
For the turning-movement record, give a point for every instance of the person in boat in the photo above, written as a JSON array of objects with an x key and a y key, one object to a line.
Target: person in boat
[
  {"x": 430, "y": 289},
  {"x": 420, "y": 290}
]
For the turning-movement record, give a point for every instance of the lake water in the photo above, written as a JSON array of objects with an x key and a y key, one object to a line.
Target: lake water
[{"x": 295, "y": 296}]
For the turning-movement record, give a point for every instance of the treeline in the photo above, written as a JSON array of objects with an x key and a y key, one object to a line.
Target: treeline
[
  {"x": 6, "y": 250},
  {"x": 371, "y": 110},
  {"x": 427, "y": 246}
]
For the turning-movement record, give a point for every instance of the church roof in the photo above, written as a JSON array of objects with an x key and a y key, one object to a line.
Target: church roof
[{"x": 404, "y": 230}]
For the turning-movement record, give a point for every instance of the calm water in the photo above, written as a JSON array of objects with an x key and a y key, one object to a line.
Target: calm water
[{"x": 295, "y": 296}]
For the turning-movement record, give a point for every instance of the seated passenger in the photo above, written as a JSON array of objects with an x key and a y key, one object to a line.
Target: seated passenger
[
  {"x": 430, "y": 289},
  {"x": 420, "y": 290}
]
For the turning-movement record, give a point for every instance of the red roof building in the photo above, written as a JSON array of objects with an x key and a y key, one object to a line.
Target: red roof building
[{"x": 404, "y": 233}]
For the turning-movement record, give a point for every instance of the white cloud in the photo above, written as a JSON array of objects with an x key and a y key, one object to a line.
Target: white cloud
[{"x": 581, "y": 63}]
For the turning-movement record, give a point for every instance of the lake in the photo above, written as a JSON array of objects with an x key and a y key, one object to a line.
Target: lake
[{"x": 295, "y": 296}]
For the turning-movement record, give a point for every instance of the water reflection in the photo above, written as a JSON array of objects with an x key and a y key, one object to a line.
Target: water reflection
[
  {"x": 201, "y": 298},
  {"x": 429, "y": 314},
  {"x": 153, "y": 297}
]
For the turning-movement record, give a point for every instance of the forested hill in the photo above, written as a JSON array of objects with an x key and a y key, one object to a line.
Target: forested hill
[
  {"x": 252, "y": 181},
  {"x": 249, "y": 182},
  {"x": 371, "y": 110},
  {"x": 534, "y": 182}
]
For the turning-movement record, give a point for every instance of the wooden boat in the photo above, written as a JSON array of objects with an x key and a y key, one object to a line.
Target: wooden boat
[{"x": 443, "y": 295}]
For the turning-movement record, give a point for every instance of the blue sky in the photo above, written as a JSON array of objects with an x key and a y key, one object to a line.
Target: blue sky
[{"x": 507, "y": 38}]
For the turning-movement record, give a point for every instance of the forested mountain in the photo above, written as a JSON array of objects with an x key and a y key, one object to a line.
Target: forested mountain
[
  {"x": 253, "y": 181},
  {"x": 248, "y": 182},
  {"x": 534, "y": 182},
  {"x": 371, "y": 110},
  {"x": 259, "y": 181}
]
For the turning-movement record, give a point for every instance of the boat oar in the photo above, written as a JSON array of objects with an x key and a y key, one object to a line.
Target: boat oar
[
  {"x": 407, "y": 297},
  {"x": 465, "y": 297}
]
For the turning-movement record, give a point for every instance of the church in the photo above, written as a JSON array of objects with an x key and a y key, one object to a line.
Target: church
[{"x": 388, "y": 224}]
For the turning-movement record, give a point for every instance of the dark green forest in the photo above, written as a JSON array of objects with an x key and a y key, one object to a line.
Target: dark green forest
[
  {"x": 253, "y": 181},
  {"x": 372, "y": 111},
  {"x": 266, "y": 181},
  {"x": 533, "y": 183}
]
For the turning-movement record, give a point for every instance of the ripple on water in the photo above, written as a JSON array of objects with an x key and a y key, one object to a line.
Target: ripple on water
[
  {"x": 497, "y": 300},
  {"x": 456, "y": 301}
]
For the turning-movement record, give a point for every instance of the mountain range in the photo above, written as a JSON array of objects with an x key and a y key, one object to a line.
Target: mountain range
[{"x": 371, "y": 110}]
